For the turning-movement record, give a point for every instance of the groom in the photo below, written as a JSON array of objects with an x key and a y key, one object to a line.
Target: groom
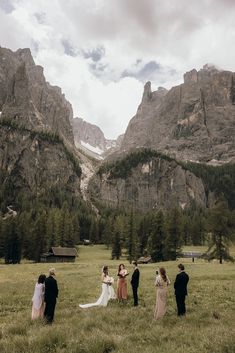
[
  {"x": 180, "y": 286},
  {"x": 135, "y": 282},
  {"x": 51, "y": 293}
]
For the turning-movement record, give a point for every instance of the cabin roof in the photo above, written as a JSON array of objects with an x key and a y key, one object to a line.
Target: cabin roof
[{"x": 62, "y": 251}]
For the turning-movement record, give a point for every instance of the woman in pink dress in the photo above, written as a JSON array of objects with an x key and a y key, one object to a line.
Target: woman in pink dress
[
  {"x": 122, "y": 283},
  {"x": 162, "y": 283},
  {"x": 38, "y": 298}
]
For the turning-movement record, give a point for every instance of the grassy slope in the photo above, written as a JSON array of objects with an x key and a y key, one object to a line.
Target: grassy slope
[{"x": 208, "y": 327}]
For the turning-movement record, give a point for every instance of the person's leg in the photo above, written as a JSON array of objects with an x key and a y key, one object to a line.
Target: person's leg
[
  {"x": 135, "y": 295},
  {"x": 49, "y": 311},
  {"x": 183, "y": 306},
  {"x": 52, "y": 310},
  {"x": 178, "y": 302},
  {"x": 46, "y": 310}
]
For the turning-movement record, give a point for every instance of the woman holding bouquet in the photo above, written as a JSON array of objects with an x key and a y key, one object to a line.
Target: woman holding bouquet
[
  {"x": 122, "y": 283},
  {"x": 107, "y": 290}
]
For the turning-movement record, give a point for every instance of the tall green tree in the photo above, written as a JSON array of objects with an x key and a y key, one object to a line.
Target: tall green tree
[
  {"x": 39, "y": 234},
  {"x": 173, "y": 239},
  {"x": 156, "y": 241},
  {"x": 13, "y": 241},
  {"x": 132, "y": 245},
  {"x": 116, "y": 242},
  {"x": 221, "y": 226}
]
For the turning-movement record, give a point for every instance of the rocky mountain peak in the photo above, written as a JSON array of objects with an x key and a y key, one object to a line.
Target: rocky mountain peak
[
  {"x": 91, "y": 139},
  {"x": 192, "y": 121},
  {"x": 147, "y": 94},
  {"x": 27, "y": 98}
]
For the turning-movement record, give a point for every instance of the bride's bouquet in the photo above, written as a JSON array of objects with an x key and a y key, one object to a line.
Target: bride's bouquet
[{"x": 110, "y": 281}]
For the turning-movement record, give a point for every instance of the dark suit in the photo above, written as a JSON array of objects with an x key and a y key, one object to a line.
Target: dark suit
[
  {"x": 135, "y": 284},
  {"x": 180, "y": 286},
  {"x": 51, "y": 293}
]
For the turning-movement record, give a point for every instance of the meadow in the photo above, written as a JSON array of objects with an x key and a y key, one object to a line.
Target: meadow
[{"x": 121, "y": 328}]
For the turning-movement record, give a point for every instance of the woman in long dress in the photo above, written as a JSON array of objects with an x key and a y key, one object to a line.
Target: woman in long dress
[
  {"x": 122, "y": 283},
  {"x": 38, "y": 306},
  {"x": 162, "y": 283},
  {"x": 107, "y": 290}
]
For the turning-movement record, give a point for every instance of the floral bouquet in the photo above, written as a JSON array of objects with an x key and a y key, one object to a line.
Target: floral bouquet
[{"x": 110, "y": 281}]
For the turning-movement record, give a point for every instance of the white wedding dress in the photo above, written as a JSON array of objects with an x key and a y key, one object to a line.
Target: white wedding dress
[{"x": 107, "y": 294}]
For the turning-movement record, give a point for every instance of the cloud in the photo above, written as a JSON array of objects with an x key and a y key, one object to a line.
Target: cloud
[
  {"x": 95, "y": 53},
  {"x": 6, "y": 6},
  {"x": 68, "y": 48},
  {"x": 101, "y": 52}
]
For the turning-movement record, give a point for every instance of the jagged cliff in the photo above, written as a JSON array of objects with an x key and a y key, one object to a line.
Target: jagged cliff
[
  {"x": 33, "y": 164},
  {"x": 192, "y": 121},
  {"x": 37, "y": 152},
  {"x": 146, "y": 180},
  {"x": 28, "y": 99},
  {"x": 90, "y": 138}
]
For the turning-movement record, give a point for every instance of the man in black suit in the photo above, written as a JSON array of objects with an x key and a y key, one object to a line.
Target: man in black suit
[
  {"x": 135, "y": 282},
  {"x": 180, "y": 286},
  {"x": 51, "y": 293}
]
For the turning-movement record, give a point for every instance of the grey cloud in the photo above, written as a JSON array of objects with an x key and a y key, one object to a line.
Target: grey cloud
[
  {"x": 68, "y": 48},
  {"x": 95, "y": 54},
  {"x": 145, "y": 73},
  {"x": 99, "y": 70},
  {"x": 41, "y": 17},
  {"x": 6, "y": 6}
]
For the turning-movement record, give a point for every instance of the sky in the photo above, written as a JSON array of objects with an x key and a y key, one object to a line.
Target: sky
[{"x": 101, "y": 52}]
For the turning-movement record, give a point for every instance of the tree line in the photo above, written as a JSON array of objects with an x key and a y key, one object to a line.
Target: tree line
[{"x": 161, "y": 234}]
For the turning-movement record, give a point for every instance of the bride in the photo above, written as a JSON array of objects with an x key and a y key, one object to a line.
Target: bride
[{"x": 107, "y": 290}]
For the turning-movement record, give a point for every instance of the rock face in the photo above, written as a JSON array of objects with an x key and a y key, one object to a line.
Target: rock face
[
  {"x": 193, "y": 121},
  {"x": 156, "y": 184},
  {"x": 28, "y": 99},
  {"x": 139, "y": 128},
  {"x": 31, "y": 166},
  {"x": 37, "y": 152},
  {"x": 91, "y": 137}
]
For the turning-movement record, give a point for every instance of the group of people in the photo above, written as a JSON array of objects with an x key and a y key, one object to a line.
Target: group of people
[
  {"x": 108, "y": 290},
  {"x": 162, "y": 282},
  {"x": 46, "y": 291},
  {"x": 44, "y": 298},
  {"x": 180, "y": 285}
]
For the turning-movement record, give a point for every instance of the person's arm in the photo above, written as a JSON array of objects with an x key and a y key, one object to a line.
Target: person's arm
[
  {"x": 176, "y": 281},
  {"x": 56, "y": 289},
  {"x": 157, "y": 282}
]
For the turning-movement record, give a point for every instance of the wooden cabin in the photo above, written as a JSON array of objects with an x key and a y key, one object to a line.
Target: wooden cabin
[
  {"x": 60, "y": 254},
  {"x": 144, "y": 260}
]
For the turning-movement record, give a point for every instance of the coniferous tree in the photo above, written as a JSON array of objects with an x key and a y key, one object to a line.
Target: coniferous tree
[
  {"x": 197, "y": 229},
  {"x": 173, "y": 239},
  {"x": 107, "y": 236},
  {"x": 39, "y": 233},
  {"x": 116, "y": 243},
  {"x": 94, "y": 231},
  {"x": 144, "y": 232},
  {"x": 132, "y": 245},
  {"x": 157, "y": 237},
  {"x": 13, "y": 243},
  {"x": 25, "y": 225},
  {"x": 220, "y": 224},
  {"x": 1, "y": 238},
  {"x": 76, "y": 230}
]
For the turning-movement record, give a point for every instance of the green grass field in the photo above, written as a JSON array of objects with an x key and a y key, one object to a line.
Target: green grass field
[{"x": 121, "y": 328}]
